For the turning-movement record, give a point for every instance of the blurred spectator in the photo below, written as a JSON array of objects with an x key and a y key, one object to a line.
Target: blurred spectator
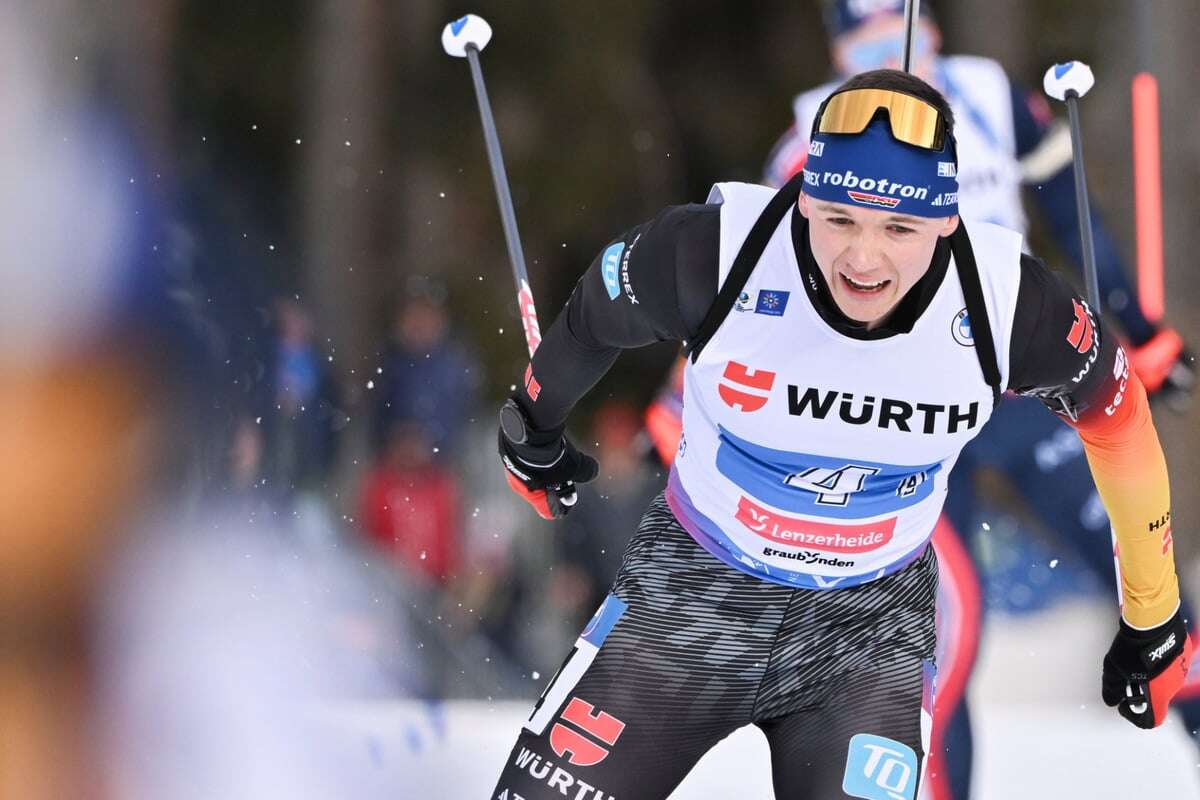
[
  {"x": 429, "y": 376},
  {"x": 298, "y": 414},
  {"x": 245, "y": 457},
  {"x": 410, "y": 506},
  {"x": 593, "y": 538}
]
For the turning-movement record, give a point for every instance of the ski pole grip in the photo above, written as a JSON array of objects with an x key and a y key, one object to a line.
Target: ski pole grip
[
  {"x": 1072, "y": 78},
  {"x": 464, "y": 32}
]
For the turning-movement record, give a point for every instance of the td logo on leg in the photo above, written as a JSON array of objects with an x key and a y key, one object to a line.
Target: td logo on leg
[{"x": 878, "y": 768}]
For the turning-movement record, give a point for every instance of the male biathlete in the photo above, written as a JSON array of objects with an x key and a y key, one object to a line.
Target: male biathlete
[
  {"x": 1006, "y": 140},
  {"x": 785, "y": 577}
]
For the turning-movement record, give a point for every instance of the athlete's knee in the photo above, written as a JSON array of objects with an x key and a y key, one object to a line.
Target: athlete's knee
[{"x": 877, "y": 766}]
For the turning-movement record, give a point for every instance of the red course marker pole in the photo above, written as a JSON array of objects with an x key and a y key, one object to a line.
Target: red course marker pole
[{"x": 1147, "y": 196}]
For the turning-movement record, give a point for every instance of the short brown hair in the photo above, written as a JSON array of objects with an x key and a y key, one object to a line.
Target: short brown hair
[{"x": 899, "y": 81}]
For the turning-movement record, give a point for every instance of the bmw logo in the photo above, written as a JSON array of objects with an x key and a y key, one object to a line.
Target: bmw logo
[{"x": 961, "y": 329}]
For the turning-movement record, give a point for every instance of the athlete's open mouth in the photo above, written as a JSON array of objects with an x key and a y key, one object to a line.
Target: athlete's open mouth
[{"x": 863, "y": 288}]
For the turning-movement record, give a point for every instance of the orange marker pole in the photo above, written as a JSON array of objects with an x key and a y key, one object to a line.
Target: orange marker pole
[{"x": 1147, "y": 196}]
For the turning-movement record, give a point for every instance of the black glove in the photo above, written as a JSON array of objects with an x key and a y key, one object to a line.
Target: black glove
[
  {"x": 543, "y": 466},
  {"x": 1167, "y": 369},
  {"x": 1144, "y": 669},
  {"x": 1180, "y": 383}
]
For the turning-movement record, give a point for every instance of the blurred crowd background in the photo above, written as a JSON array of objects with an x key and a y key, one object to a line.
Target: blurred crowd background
[{"x": 260, "y": 319}]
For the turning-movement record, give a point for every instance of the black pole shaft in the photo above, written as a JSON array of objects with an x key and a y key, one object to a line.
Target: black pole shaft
[
  {"x": 508, "y": 216},
  {"x": 1082, "y": 206},
  {"x": 1083, "y": 209},
  {"x": 911, "y": 9}
]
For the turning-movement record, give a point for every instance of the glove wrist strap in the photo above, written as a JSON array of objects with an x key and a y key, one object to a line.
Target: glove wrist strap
[
  {"x": 519, "y": 430},
  {"x": 536, "y": 452},
  {"x": 1134, "y": 630}
]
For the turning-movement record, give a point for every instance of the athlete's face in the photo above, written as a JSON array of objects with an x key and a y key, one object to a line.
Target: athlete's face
[{"x": 870, "y": 258}]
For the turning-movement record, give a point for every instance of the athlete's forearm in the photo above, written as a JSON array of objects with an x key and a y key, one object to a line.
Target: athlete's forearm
[
  {"x": 654, "y": 283},
  {"x": 1062, "y": 355},
  {"x": 562, "y": 371},
  {"x": 1130, "y": 471}
]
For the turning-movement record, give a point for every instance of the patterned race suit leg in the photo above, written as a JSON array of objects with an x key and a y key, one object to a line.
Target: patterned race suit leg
[{"x": 686, "y": 650}]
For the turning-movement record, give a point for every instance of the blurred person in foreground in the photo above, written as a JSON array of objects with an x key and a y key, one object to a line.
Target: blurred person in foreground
[
  {"x": 83, "y": 390},
  {"x": 1008, "y": 141},
  {"x": 429, "y": 375},
  {"x": 144, "y": 651},
  {"x": 785, "y": 578}
]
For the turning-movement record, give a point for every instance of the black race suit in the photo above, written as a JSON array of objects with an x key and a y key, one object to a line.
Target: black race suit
[{"x": 687, "y": 649}]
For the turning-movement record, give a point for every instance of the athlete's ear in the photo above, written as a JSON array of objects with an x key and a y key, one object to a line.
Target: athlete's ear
[
  {"x": 804, "y": 205},
  {"x": 950, "y": 226}
]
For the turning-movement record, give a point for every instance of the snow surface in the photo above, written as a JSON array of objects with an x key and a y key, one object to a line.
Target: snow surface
[
  {"x": 1022, "y": 751},
  {"x": 1038, "y": 734}
]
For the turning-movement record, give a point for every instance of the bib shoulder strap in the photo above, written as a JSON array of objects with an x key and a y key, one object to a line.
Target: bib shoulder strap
[
  {"x": 981, "y": 329},
  {"x": 745, "y": 261}
]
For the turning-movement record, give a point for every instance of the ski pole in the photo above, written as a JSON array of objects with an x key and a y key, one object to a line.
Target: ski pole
[
  {"x": 1068, "y": 82},
  {"x": 911, "y": 9},
  {"x": 465, "y": 38}
]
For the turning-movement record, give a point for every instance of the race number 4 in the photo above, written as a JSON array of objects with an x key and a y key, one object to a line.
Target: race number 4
[{"x": 833, "y": 487}]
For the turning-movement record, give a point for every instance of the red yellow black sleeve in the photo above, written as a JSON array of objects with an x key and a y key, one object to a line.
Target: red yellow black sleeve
[
  {"x": 1061, "y": 354},
  {"x": 1130, "y": 471}
]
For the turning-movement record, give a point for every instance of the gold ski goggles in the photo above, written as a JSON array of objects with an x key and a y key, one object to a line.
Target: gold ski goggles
[{"x": 912, "y": 120}]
